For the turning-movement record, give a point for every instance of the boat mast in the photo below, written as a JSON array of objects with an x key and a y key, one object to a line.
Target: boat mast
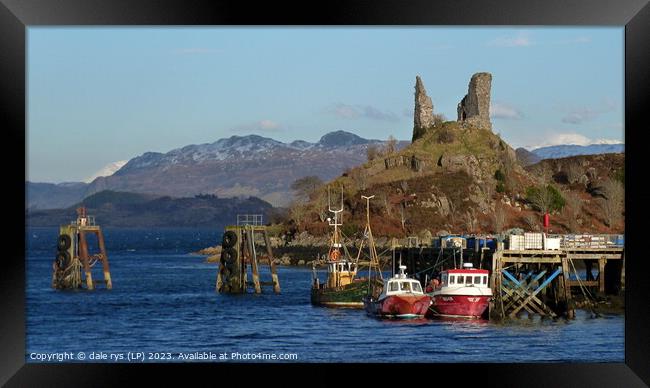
[
  {"x": 374, "y": 259},
  {"x": 338, "y": 220}
]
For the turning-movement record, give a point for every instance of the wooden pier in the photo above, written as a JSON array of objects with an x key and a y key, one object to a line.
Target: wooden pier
[
  {"x": 240, "y": 250},
  {"x": 543, "y": 282},
  {"x": 534, "y": 281},
  {"x": 73, "y": 255}
]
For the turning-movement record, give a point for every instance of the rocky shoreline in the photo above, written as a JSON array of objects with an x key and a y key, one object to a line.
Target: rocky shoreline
[{"x": 302, "y": 250}]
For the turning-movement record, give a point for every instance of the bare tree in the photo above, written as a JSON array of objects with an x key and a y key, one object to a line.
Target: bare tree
[
  {"x": 471, "y": 222},
  {"x": 391, "y": 146},
  {"x": 573, "y": 172},
  {"x": 544, "y": 172},
  {"x": 372, "y": 152},
  {"x": 613, "y": 203},
  {"x": 360, "y": 177},
  {"x": 500, "y": 218},
  {"x": 404, "y": 185},
  {"x": 383, "y": 197},
  {"x": 531, "y": 222},
  {"x": 298, "y": 212},
  {"x": 438, "y": 119},
  {"x": 305, "y": 187},
  {"x": 573, "y": 209},
  {"x": 402, "y": 214}
]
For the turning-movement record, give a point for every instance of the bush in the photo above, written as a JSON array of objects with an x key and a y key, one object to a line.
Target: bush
[
  {"x": 498, "y": 175},
  {"x": 545, "y": 199},
  {"x": 446, "y": 136},
  {"x": 501, "y": 187}
]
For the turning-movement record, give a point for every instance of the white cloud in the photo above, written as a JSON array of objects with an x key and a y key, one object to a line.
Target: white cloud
[
  {"x": 522, "y": 39},
  {"x": 265, "y": 125},
  {"x": 499, "y": 110},
  {"x": 573, "y": 139},
  {"x": 107, "y": 170},
  {"x": 346, "y": 111},
  {"x": 582, "y": 114}
]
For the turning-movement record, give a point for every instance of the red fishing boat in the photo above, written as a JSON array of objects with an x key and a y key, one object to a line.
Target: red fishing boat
[
  {"x": 461, "y": 293},
  {"x": 400, "y": 297}
]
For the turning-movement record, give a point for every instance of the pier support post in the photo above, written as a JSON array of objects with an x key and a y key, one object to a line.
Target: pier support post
[
  {"x": 105, "y": 267},
  {"x": 274, "y": 274},
  {"x": 83, "y": 255},
  {"x": 601, "y": 274}
]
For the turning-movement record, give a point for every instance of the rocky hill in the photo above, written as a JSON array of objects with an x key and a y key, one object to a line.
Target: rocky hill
[
  {"x": 123, "y": 209},
  {"x": 239, "y": 165},
  {"x": 460, "y": 177}
]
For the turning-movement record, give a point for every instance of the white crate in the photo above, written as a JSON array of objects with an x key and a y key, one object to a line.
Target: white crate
[
  {"x": 552, "y": 244},
  {"x": 516, "y": 243},
  {"x": 533, "y": 241}
]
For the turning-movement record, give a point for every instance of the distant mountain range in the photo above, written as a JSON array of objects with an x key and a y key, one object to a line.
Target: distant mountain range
[
  {"x": 527, "y": 158},
  {"x": 240, "y": 165},
  {"x": 112, "y": 208},
  {"x": 566, "y": 150}
]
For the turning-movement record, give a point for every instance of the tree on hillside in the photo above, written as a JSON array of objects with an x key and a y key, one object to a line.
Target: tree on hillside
[
  {"x": 438, "y": 119},
  {"x": 531, "y": 222},
  {"x": 305, "y": 187},
  {"x": 613, "y": 201},
  {"x": 391, "y": 146},
  {"x": 545, "y": 198},
  {"x": 373, "y": 152},
  {"x": 573, "y": 209},
  {"x": 360, "y": 177},
  {"x": 471, "y": 222},
  {"x": 500, "y": 218},
  {"x": 573, "y": 172}
]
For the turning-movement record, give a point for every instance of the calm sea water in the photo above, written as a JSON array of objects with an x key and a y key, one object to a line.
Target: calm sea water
[{"x": 163, "y": 305}]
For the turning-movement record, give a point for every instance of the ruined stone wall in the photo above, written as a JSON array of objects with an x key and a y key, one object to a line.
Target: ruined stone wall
[
  {"x": 423, "y": 117},
  {"x": 474, "y": 108}
]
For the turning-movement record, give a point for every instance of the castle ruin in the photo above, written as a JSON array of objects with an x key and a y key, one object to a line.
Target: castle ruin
[
  {"x": 423, "y": 117},
  {"x": 474, "y": 108}
]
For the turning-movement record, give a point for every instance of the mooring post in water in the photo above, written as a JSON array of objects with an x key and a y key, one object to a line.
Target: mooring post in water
[
  {"x": 83, "y": 255},
  {"x": 239, "y": 250},
  {"x": 269, "y": 252},
  {"x": 105, "y": 266},
  {"x": 73, "y": 254}
]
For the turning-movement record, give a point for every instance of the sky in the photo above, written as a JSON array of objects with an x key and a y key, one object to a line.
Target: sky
[{"x": 101, "y": 96}]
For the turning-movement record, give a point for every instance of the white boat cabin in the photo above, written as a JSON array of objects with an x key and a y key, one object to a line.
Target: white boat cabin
[
  {"x": 467, "y": 280},
  {"x": 400, "y": 284}
]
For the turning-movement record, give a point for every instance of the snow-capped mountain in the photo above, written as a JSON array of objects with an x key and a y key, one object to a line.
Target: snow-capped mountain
[
  {"x": 239, "y": 165},
  {"x": 566, "y": 150}
]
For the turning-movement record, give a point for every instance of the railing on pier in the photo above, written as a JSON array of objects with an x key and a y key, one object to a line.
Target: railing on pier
[{"x": 249, "y": 219}]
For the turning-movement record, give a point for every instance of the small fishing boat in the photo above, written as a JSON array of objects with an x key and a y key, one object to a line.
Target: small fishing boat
[
  {"x": 342, "y": 288},
  {"x": 461, "y": 293},
  {"x": 401, "y": 297}
]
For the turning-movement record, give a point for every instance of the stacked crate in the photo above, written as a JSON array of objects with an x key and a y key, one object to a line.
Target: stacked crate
[
  {"x": 516, "y": 242},
  {"x": 533, "y": 240}
]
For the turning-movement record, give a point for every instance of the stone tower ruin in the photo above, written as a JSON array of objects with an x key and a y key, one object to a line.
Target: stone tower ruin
[
  {"x": 423, "y": 117},
  {"x": 474, "y": 108}
]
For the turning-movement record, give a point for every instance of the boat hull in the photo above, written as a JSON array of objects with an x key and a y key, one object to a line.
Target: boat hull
[
  {"x": 459, "y": 306},
  {"x": 399, "y": 306},
  {"x": 349, "y": 296}
]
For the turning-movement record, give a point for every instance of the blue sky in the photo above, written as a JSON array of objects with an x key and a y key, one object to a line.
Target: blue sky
[{"x": 101, "y": 95}]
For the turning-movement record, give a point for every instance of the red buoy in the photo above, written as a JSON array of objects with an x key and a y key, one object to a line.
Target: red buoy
[{"x": 547, "y": 220}]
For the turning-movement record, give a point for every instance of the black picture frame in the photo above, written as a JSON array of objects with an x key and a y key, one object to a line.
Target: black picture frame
[{"x": 17, "y": 15}]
